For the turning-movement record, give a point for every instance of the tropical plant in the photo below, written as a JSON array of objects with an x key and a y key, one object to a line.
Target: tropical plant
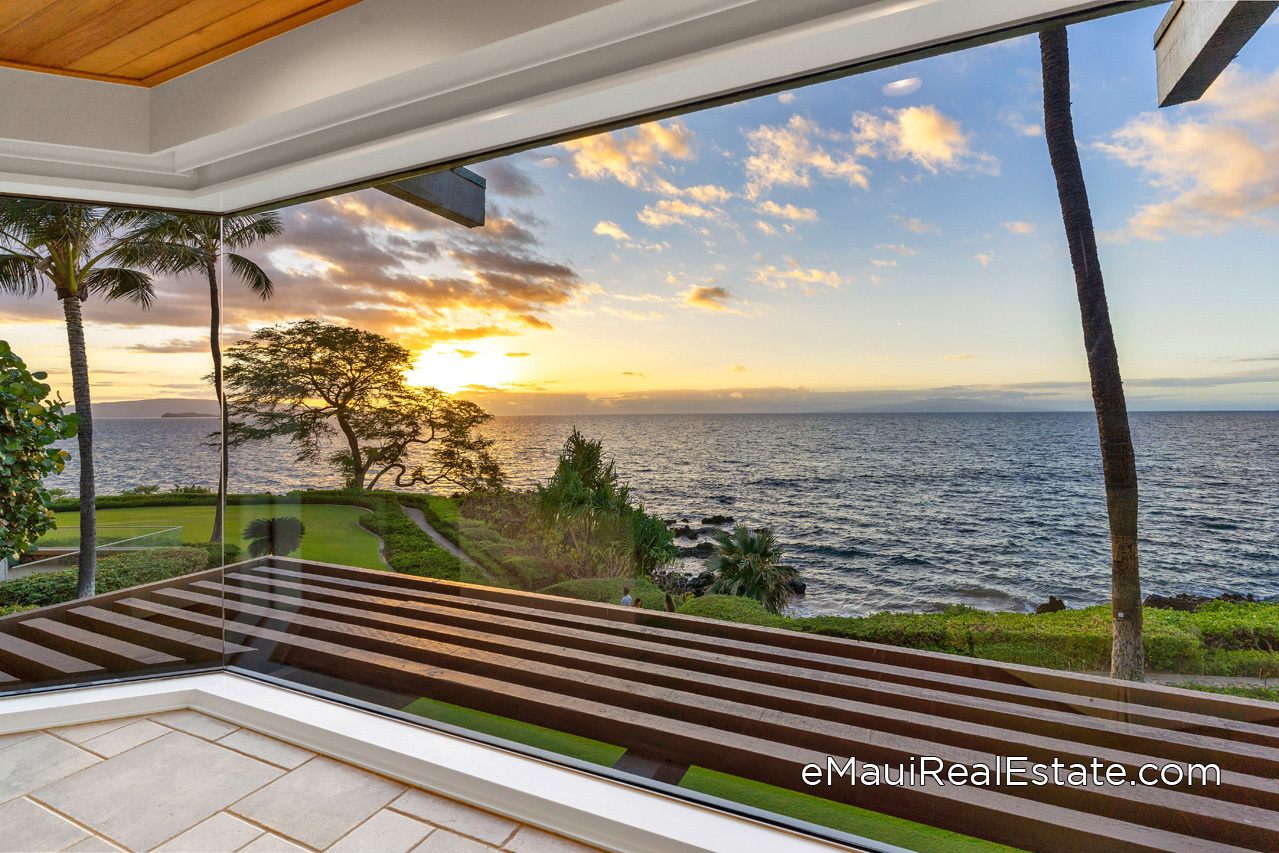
[
  {"x": 1119, "y": 464},
  {"x": 29, "y": 425},
  {"x": 77, "y": 251},
  {"x": 278, "y": 536},
  {"x": 749, "y": 563},
  {"x": 198, "y": 243},
  {"x": 309, "y": 382}
]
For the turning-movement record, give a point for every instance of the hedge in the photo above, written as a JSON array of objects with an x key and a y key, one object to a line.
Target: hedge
[
  {"x": 407, "y": 548},
  {"x": 114, "y": 573}
]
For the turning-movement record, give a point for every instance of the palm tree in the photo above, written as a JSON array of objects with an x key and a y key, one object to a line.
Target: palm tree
[
  {"x": 77, "y": 251},
  {"x": 198, "y": 242},
  {"x": 278, "y": 536},
  {"x": 749, "y": 564},
  {"x": 1118, "y": 461}
]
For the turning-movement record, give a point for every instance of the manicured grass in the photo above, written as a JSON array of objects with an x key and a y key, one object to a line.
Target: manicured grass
[
  {"x": 845, "y": 818},
  {"x": 562, "y": 743},
  {"x": 333, "y": 534}
]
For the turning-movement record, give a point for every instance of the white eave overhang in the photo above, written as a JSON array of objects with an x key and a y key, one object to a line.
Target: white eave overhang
[{"x": 388, "y": 88}]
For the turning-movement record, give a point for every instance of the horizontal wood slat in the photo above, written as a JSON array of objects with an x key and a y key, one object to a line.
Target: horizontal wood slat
[{"x": 742, "y": 700}]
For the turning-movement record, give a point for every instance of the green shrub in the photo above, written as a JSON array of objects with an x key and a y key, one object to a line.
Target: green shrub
[
  {"x": 406, "y": 547},
  {"x": 219, "y": 555},
  {"x": 610, "y": 590},
  {"x": 732, "y": 608},
  {"x": 531, "y": 571},
  {"x": 114, "y": 573}
]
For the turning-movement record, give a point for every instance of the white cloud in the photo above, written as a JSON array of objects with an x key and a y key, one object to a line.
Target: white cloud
[
  {"x": 985, "y": 258},
  {"x": 919, "y": 226},
  {"x": 789, "y": 211},
  {"x": 794, "y": 275},
  {"x": 923, "y": 135},
  {"x": 787, "y": 97},
  {"x": 1216, "y": 165},
  {"x": 670, "y": 211},
  {"x": 789, "y": 155},
  {"x": 631, "y": 156},
  {"x": 881, "y": 263},
  {"x": 765, "y": 227},
  {"x": 899, "y": 248},
  {"x": 1020, "y": 227},
  {"x": 611, "y": 229}
]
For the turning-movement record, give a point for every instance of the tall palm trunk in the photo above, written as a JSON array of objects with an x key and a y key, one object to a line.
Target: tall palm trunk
[
  {"x": 88, "y": 564},
  {"x": 215, "y": 347},
  {"x": 1118, "y": 461}
]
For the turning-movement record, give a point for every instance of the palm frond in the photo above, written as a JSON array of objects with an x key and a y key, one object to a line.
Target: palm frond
[
  {"x": 239, "y": 232},
  {"x": 253, "y": 276},
  {"x": 120, "y": 283},
  {"x": 18, "y": 275}
]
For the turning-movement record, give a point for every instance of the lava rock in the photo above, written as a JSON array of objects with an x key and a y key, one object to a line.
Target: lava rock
[
  {"x": 797, "y": 586},
  {"x": 718, "y": 519},
  {"x": 684, "y": 532},
  {"x": 1187, "y": 603},
  {"x": 1052, "y": 605}
]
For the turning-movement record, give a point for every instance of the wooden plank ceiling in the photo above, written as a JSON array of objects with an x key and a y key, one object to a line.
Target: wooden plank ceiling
[{"x": 142, "y": 42}]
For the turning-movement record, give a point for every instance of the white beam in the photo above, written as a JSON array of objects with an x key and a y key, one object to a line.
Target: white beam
[{"x": 1197, "y": 39}]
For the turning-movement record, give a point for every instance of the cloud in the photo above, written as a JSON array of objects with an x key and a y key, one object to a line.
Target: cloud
[
  {"x": 790, "y": 211},
  {"x": 707, "y": 298},
  {"x": 795, "y": 275},
  {"x": 738, "y": 368},
  {"x": 611, "y": 229},
  {"x": 466, "y": 353},
  {"x": 963, "y": 357},
  {"x": 504, "y": 178},
  {"x": 517, "y": 354},
  {"x": 631, "y": 156},
  {"x": 765, "y": 227},
  {"x": 881, "y": 263},
  {"x": 670, "y": 211},
  {"x": 919, "y": 226},
  {"x": 985, "y": 258},
  {"x": 1014, "y": 119},
  {"x": 1020, "y": 227},
  {"x": 1215, "y": 165},
  {"x": 923, "y": 135},
  {"x": 898, "y": 247},
  {"x": 173, "y": 345},
  {"x": 632, "y": 373},
  {"x": 705, "y": 193},
  {"x": 789, "y": 155},
  {"x": 787, "y": 97}
]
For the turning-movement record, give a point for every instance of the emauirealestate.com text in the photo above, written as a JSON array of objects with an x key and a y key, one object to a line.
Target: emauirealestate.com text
[{"x": 1012, "y": 770}]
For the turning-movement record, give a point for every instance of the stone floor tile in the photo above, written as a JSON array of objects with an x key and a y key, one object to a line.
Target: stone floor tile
[
  {"x": 38, "y": 761},
  {"x": 275, "y": 844},
  {"x": 456, "y": 816},
  {"x": 157, "y": 790},
  {"x": 385, "y": 832},
  {"x": 15, "y": 738},
  {"x": 267, "y": 749},
  {"x": 94, "y": 844},
  {"x": 319, "y": 802},
  {"x": 25, "y": 826},
  {"x": 126, "y": 738},
  {"x": 530, "y": 840},
  {"x": 219, "y": 833},
  {"x": 443, "y": 841},
  {"x": 195, "y": 723},
  {"x": 81, "y": 732}
]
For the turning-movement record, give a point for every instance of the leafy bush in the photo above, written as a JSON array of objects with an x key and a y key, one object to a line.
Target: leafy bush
[
  {"x": 114, "y": 573},
  {"x": 731, "y": 608},
  {"x": 532, "y": 571},
  {"x": 406, "y": 547},
  {"x": 609, "y": 590},
  {"x": 219, "y": 554}
]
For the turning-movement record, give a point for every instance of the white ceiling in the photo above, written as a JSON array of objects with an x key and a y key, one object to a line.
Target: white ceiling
[{"x": 389, "y": 86}]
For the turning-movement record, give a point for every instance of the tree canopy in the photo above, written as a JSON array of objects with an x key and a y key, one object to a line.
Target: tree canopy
[
  {"x": 318, "y": 385},
  {"x": 29, "y": 425}
]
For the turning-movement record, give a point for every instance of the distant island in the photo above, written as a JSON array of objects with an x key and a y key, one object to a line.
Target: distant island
[
  {"x": 170, "y": 407},
  {"x": 187, "y": 415}
]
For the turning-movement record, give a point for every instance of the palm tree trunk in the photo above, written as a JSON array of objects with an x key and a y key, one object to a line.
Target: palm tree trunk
[
  {"x": 88, "y": 562},
  {"x": 215, "y": 347},
  {"x": 1118, "y": 461}
]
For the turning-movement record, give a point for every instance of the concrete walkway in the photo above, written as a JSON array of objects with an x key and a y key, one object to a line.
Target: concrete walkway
[{"x": 419, "y": 518}]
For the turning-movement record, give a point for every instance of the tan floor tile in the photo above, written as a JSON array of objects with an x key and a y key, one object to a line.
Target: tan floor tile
[
  {"x": 94, "y": 844},
  {"x": 218, "y": 833},
  {"x": 192, "y": 778},
  {"x": 15, "y": 738},
  {"x": 25, "y": 826},
  {"x": 319, "y": 802},
  {"x": 267, "y": 749},
  {"x": 443, "y": 841},
  {"x": 126, "y": 738},
  {"x": 456, "y": 816},
  {"x": 195, "y": 723},
  {"x": 88, "y": 731},
  {"x": 385, "y": 832},
  {"x": 530, "y": 840},
  {"x": 37, "y": 762},
  {"x": 275, "y": 844}
]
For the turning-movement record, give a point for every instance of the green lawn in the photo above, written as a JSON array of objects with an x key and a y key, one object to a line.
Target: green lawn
[{"x": 333, "y": 534}]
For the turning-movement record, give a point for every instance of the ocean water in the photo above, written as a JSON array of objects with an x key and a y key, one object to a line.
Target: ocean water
[{"x": 879, "y": 511}]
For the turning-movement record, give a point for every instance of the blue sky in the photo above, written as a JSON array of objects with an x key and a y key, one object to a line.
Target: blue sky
[{"x": 838, "y": 246}]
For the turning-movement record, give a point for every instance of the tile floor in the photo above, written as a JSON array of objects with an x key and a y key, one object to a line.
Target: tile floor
[{"x": 184, "y": 781}]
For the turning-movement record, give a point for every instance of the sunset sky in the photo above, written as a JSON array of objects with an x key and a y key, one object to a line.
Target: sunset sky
[{"x": 883, "y": 238}]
